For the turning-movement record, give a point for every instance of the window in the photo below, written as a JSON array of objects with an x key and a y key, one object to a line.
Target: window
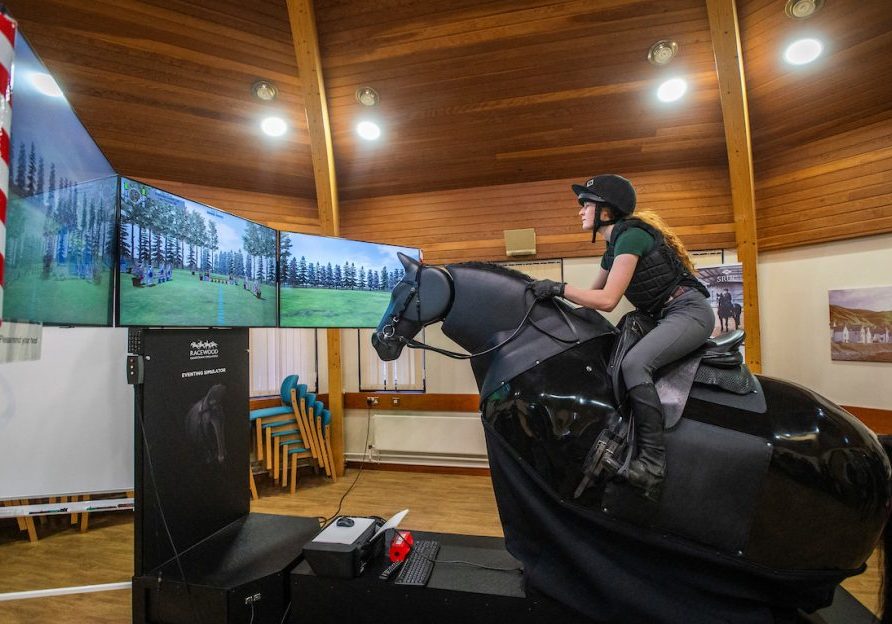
[
  {"x": 277, "y": 353},
  {"x": 404, "y": 373}
]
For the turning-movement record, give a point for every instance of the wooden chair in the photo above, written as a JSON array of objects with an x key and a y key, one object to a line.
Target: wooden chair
[
  {"x": 323, "y": 430},
  {"x": 303, "y": 437},
  {"x": 272, "y": 414},
  {"x": 289, "y": 432},
  {"x": 295, "y": 455}
]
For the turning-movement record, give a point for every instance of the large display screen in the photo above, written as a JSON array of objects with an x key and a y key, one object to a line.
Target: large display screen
[
  {"x": 60, "y": 236},
  {"x": 184, "y": 264},
  {"x": 335, "y": 282}
]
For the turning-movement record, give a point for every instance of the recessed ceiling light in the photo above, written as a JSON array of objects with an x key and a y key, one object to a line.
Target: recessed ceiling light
[
  {"x": 274, "y": 126},
  {"x": 662, "y": 52},
  {"x": 264, "y": 90},
  {"x": 803, "y": 51},
  {"x": 672, "y": 90},
  {"x": 801, "y": 9},
  {"x": 368, "y": 130},
  {"x": 367, "y": 96},
  {"x": 45, "y": 84}
]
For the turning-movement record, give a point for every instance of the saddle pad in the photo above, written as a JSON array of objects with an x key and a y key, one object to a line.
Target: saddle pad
[
  {"x": 673, "y": 384},
  {"x": 738, "y": 380}
]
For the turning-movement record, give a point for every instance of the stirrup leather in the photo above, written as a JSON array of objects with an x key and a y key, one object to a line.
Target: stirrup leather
[{"x": 608, "y": 455}]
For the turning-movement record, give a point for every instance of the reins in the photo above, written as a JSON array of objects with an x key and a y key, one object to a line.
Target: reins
[{"x": 416, "y": 344}]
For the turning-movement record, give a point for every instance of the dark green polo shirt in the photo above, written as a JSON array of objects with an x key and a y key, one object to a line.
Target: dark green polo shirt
[{"x": 633, "y": 241}]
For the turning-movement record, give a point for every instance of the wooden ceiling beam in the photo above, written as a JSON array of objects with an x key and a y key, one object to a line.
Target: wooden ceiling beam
[{"x": 309, "y": 67}]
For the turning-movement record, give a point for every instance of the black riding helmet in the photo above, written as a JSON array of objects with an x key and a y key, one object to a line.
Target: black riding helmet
[{"x": 611, "y": 189}]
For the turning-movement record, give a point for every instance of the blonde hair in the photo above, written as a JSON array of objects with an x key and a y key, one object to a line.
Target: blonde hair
[{"x": 655, "y": 221}]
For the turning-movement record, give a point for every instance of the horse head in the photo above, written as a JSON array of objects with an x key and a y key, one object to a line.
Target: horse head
[{"x": 422, "y": 297}]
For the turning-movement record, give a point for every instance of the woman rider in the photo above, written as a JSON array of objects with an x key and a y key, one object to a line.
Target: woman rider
[{"x": 648, "y": 264}]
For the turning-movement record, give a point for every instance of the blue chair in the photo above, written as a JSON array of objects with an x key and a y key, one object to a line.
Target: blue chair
[
  {"x": 273, "y": 414},
  {"x": 288, "y": 432},
  {"x": 323, "y": 430}
]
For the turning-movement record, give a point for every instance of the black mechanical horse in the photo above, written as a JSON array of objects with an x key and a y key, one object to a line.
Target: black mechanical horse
[{"x": 772, "y": 496}]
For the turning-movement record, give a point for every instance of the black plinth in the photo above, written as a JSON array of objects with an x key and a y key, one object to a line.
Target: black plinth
[
  {"x": 454, "y": 593},
  {"x": 250, "y": 556},
  {"x": 469, "y": 595}
]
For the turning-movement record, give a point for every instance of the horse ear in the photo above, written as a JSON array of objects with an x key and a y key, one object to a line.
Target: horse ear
[{"x": 407, "y": 261}]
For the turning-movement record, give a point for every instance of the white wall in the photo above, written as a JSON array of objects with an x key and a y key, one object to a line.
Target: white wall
[
  {"x": 66, "y": 420},
  {"x": 795, "y": 317}
]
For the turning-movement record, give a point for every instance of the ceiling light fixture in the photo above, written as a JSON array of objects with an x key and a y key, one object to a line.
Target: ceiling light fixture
[
  {"x": 803, "y": 51},
  {"x": 45, "y": 84},
  {"x": 662, "y": 52},
  {"x": 672, "y": 90},
  {"x": 264, "y": 90},
  {"x": 802, "y": 9},
  {"x": 274, "y": 126},
  {"x": 368, "y": 130},
  {"x": 367, "y": 96}
]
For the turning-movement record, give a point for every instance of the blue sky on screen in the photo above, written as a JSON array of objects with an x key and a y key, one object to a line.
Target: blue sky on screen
[
  {"x": 876, "y": 299},
  {"x": 230, "y": 229},
  {"x": 51, "y": 124},
  {"x": 339, "y": 250}
]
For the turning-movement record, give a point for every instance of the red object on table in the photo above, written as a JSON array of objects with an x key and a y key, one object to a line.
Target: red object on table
[{"x": 401, "y": 545}]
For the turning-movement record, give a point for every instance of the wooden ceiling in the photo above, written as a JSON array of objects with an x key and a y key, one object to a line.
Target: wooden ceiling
[{"x": 473, "y": 93}]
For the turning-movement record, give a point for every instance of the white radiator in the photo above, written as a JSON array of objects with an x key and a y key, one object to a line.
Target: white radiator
[{"x": 416, "y": 435}]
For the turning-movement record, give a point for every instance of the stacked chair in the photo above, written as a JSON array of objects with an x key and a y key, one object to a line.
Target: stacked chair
[
  {"x": 312, "y": 450},
  {"x": 264, "y": 418},
  {"x": 295, "y": 432}
]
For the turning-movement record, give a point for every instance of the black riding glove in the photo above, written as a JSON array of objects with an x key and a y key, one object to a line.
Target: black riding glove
[{"x": 546, "y": 288}]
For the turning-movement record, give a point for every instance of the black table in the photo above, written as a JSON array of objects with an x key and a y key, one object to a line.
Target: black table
[
  {"x": 462, "y": 594},
  {"x": 454, "y": 593}
]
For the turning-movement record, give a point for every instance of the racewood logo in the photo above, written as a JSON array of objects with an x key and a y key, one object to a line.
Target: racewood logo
[{"x": 203, "y": 350}]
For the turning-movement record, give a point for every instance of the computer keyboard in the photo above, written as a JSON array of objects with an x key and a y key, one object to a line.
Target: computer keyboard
[{"x": 419, "y": 563}]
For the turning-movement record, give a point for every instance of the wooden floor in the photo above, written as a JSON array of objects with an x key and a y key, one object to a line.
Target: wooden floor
[{"x": 64, "y": 557}]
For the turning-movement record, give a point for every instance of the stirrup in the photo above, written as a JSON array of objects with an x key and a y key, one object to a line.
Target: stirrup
[{"x": 605, "y": 456}]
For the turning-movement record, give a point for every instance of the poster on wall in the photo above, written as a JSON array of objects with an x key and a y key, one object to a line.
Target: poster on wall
[
  {"x": 861, "y": 324},
  {"x": 725, "y": 284}
]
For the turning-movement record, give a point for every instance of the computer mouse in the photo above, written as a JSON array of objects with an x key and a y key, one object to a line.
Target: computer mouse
[{"x": 345, "y": 522}]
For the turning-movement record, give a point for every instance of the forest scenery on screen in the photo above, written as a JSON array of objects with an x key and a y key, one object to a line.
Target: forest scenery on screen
[
  {"x": 184, "y": 264},
  {"x": 60, "y": 237},
  {"x": 335, "y": 282}
]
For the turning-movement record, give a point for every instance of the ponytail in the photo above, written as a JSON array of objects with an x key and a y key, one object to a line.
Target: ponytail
[{"x": 655, "y": 221}]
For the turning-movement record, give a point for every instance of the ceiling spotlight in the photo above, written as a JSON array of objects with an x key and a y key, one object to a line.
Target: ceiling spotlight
[
  {"x": 801, "y": 9},
  {"x": 803, "y": 51},
  {"x": 662, "y": 52},
  {"x": 264, "y": 90},
  {"x": 368, "y": 130},
  {"x": 672, "y": 90},
  {"x": 367, "y": 96},
  {"x": 274, "y": 126},
  {"x": 45, "y": 84}
]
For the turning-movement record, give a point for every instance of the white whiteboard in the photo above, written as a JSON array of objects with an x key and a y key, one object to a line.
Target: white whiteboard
[{"x": 66, "y": 420}]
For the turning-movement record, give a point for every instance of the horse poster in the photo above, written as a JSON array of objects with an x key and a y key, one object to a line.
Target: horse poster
[
  {"x": 861, "y": 324},
  {"x": 725, "y": 284}
]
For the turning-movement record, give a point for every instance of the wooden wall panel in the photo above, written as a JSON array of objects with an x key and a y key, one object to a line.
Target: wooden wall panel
[
  {"x": 294, "y": 214},
  {"x": 829, "y": 189},
  {"x": 468, "y": 224}
]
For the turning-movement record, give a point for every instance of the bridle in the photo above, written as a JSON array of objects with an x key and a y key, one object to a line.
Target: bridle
[{"x": 388, "y": 332}]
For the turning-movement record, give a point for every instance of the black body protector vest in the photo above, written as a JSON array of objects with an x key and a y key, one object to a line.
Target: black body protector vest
[{"x": 658, "y": 273}]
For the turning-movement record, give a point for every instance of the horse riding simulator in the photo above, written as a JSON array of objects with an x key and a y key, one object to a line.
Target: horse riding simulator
[{"x": 772, "y": 494}]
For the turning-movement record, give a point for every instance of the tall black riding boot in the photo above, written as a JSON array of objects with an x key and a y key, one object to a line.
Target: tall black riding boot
[{"x": 647, "y": 469}]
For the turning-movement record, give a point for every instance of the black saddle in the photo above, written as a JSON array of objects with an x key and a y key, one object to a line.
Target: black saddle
[{"x": 718, "y": 363}]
